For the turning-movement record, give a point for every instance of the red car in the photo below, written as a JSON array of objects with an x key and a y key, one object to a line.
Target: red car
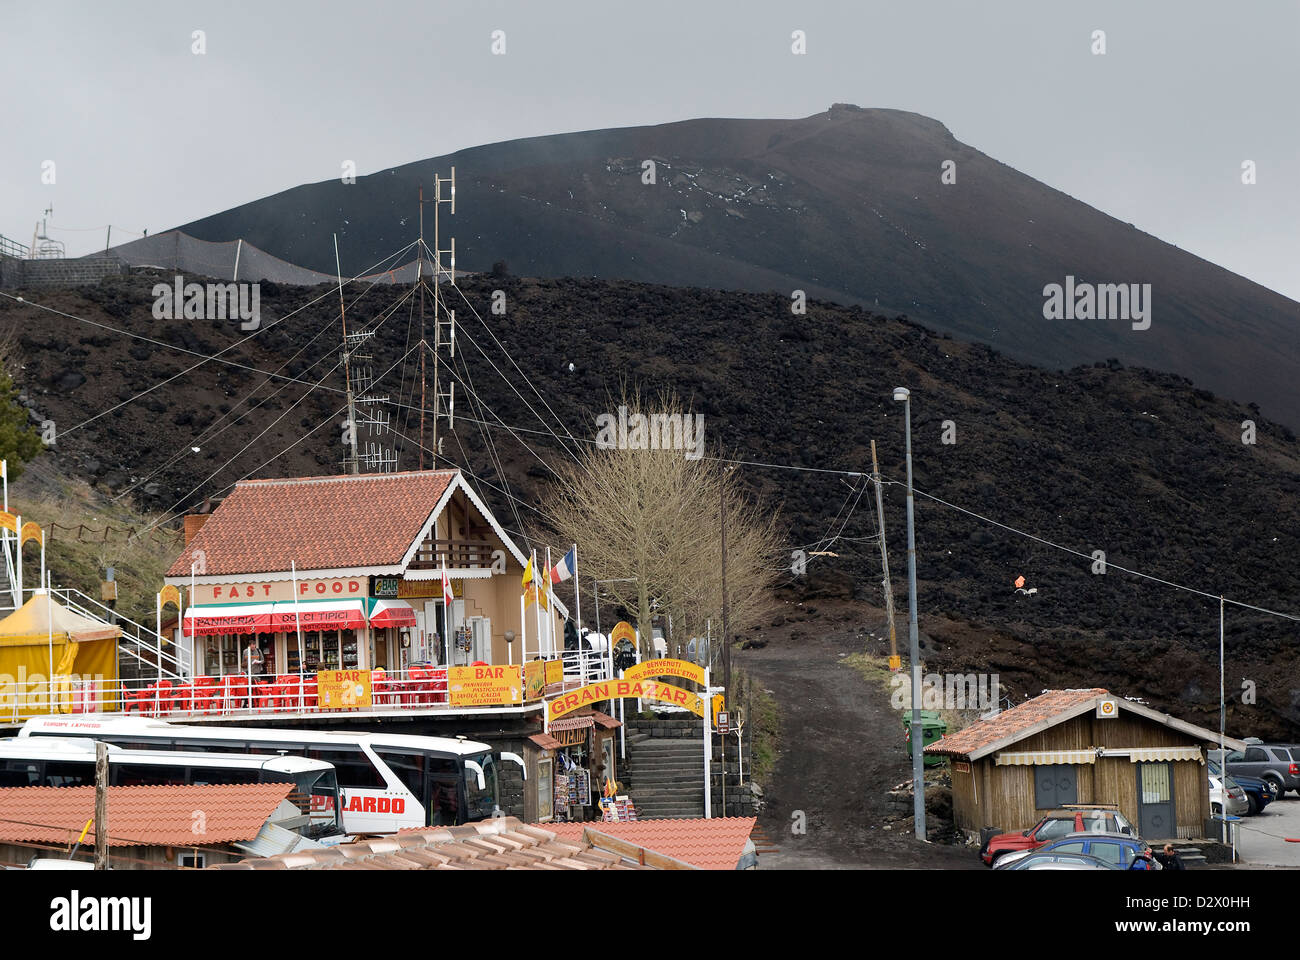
[{"x": 1057, "y": 824}]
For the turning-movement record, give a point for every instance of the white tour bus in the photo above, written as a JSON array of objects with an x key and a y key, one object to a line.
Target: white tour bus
[
  {"x": 387, "y": 781},
  {"x": 70, "y": 762}
]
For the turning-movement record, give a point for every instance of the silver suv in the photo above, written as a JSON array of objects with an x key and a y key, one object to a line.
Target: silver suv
[{"x": 1273, "y": 762}]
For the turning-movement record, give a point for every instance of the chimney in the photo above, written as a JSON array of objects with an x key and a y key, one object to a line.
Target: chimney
[{"x": 193, "y": 524}]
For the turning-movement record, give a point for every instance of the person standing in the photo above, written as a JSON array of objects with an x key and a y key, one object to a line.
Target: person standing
[{"x": 1170, "y": 859}]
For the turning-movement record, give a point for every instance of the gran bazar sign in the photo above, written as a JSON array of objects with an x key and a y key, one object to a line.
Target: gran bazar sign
[{"x": 619, "y": 689}]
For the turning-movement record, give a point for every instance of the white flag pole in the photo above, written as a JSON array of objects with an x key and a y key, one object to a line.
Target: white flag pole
[
  {"x": 302, "y": 664},
  {"x": 537, "y": 606},
  {"x": 550, "y": 607},
  {"x": 577, "y": 594}
]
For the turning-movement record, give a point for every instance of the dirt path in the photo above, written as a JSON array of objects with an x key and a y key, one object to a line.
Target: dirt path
[{"x": 841, "y": 752}]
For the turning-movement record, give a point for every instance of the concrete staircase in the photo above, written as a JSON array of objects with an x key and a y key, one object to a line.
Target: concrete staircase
[{"x": 664, "y": 776}]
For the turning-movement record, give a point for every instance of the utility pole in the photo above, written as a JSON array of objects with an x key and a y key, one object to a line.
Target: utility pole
[
  {"x": 101, "y": 805},
  {"x": 917, "y": 733},
  {"x": 894, "y": 662},
  {"x": 726, "y": 637},
  {"x": 353, "y": 462}
]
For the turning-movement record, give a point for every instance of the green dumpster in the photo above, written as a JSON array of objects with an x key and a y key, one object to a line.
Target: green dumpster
[{"x": 932, "y": 729}]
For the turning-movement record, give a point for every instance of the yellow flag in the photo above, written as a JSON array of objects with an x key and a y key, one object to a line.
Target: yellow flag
[
  {"x": 532, "y": 594},
  {"x": 528, "y": 572}
]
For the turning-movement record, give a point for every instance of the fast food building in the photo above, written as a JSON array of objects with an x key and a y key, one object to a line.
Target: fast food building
[{"x": 357, "y": 561}]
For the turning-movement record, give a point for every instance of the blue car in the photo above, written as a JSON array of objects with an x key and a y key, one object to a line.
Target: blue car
[
  {"x": 1259, "y": 793},
  {"x": 1122, "y": 850}
]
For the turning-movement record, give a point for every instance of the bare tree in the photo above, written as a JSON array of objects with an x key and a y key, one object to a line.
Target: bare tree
[{"x": 651, "y": 514}]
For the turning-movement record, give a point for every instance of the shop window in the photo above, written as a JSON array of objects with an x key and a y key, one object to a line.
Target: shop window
[{"x": 196, "y": 861}]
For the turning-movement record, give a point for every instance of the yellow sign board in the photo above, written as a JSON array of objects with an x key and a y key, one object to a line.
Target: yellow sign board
[
  {"x": 621, "y": 689},
  {"x": 666, "y": 668},
  {"x": 484, "y": 686},
  {"x": 534, "y": 679},
  {"x": 622, "y": 631},
  {"x": 343, "y": 689},
  {"x": 554, "y": 672}
]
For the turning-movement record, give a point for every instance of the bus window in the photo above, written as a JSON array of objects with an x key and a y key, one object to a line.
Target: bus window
[
  {"x": 61, "y": 773},
  {"x": 320, "y": 788},
  {"x": 203, "y": 776},
  {"x": 443, "y": 774},
  {"x": 409, "y": 767},
  {"x": 19, "y": 773},
  {"x": 145, "y": 775},
  {"x": 481, "y": 803},
  {"x": 354, "y": 768}
]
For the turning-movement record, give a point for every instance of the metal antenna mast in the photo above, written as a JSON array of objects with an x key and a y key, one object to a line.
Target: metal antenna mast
[
  {"x": 441, "y": 315},
  {"x": 352, "y": 463}
]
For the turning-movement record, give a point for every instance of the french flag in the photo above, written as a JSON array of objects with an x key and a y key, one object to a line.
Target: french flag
[{"x": 564, "y": 569}]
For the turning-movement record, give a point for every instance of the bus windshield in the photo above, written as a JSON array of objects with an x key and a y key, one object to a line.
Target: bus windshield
[
  {"x": 321, "y": 788},
  {"x": 481, "y": 802}
]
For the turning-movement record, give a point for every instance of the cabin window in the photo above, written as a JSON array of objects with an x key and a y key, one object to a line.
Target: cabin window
[{"x": 1054, "y": 786}]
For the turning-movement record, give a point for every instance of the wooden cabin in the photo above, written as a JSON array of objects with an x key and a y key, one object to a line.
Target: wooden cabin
[{"x": 1079, "y": 747}]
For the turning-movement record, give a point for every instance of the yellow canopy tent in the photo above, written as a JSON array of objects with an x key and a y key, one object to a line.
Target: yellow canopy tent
[{"x": 84, "y": 652}]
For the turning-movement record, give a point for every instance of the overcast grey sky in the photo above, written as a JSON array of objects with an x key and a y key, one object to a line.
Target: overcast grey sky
[{"x": 146, "y": 134}]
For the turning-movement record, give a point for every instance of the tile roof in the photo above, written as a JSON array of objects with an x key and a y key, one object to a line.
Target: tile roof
[
  {"x": 140, "y": 816},
  {"x": 546, "y": 741},
  {"x": 573, "y": 723},
  {"x": 1010, "y": 725},
  {"x": 320, "y": 523},
  {"x": 498, "y": 844},
  {"x": 715, "y": 844}
]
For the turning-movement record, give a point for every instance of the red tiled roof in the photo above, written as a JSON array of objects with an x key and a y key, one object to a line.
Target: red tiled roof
[
  {"x": 573, "y": 723},
  {"x": 715, "y": 844},
  {"x": 319, "y": 523},
  {"x": 1019, "y": 721},
  {"x": 546, "y": 741},
  {"x": 499, "y": 844},
  {"x": 140, "y": 816}
]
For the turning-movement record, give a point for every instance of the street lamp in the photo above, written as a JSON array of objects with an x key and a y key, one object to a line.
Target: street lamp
[{"x": 917, "y": 734}]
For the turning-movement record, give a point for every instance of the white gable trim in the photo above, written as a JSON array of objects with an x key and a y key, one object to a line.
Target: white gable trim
[{"x": 459, "y": 483}]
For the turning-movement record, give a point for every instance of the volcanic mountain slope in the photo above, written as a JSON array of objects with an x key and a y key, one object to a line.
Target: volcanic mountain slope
[
  {"x": 847, "y": 205},
  {"x": 1141, "y": 465}
]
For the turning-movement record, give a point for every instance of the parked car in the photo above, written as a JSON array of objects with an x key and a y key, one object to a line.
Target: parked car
[
  {"x": 1233, "y": 801},
  {"x": 1259, "y": 793},
  {"x": 1057, "y": 824},
  {"x": 1051, "y": 860},
  {"x": 1275, "y": 762},
  {"x": 1125, "y": 851}
]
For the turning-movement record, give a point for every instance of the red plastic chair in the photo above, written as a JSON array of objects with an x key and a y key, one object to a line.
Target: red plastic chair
[
  {"x": 138, "y": 700},
  {"x": 420, "y": 689},
  {"x": 163, "y": 702},
  {"x": 183, "y": 697},
  {"x": 206, "y": 694},
  {"x": 234, "y": 692},
  {"x": 309, "y": 693}
]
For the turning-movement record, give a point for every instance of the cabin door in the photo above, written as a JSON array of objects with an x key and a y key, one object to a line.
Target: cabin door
[{"x": 1156, "y": 819}]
